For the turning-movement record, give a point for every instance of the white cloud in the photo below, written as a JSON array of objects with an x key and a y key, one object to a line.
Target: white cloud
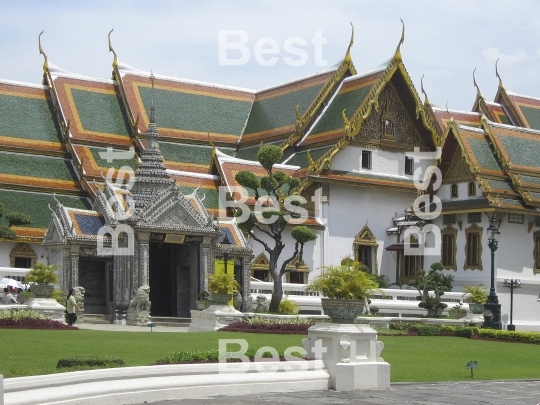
[{"x": 492, "y": 54}]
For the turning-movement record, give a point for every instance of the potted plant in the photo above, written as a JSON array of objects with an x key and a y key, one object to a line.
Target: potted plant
[
  {"x": 477, "y": 297},
  {"x": 457, "y": 312},
  {"x": 204, "y": 300},
  {"x": 221, "y": 287},
  {"x": 42, "y": 278},
  {"x": 345, "y": 289}
]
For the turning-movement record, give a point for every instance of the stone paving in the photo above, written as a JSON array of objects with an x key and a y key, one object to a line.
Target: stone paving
[{"x": 455, "y": 393}]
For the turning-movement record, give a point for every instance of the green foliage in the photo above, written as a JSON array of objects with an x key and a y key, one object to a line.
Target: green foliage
[
  {"x": 42, "y": 274},
  {"x": 247, "y": 179},
  {"x": 478, "y": 294},
  {"x": 222, "y": 283},
  {"x": 60, "y": 296},
  {"x": 466, "y": 332},
  {"x": 269, "y": 155},
  {"x": 382, "y": 280},
  {"x": 90, "y": 360},
  {"x": 288, "y": 307},
  {"x": 7, "y": 233},
  {"x": 400, "y": 325},
  {"x": 204, "y": 295},
  {"x": 303, "y": 234},
  {"x": 426, "y": 330},
  {"x": 2, "y": 209},
  {"x": 433, "y": 280},
  {"x": 523, "y": 337},
  {"x": 373, "y": 309},
  {"x": 265, "y": 183},
  {"x": 211, "y": 356},
  {"x": 18, "y": 219},
  {"x": 343, "y": 282},
  {"x": 448, "y": 328},
  {"x": 18, "y": 314},
  {"x": 249, "y": 223}
]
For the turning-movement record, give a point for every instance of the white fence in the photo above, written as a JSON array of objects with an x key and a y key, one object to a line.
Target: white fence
[{"x": 396, "y": 302}]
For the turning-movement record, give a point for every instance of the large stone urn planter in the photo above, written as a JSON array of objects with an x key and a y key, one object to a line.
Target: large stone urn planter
[
  {"x": 221, "y": 299},
  {"x": 342, "y": 311},
  {"x": 476, "y": 308},
  {"x": 42, "y": 290}
]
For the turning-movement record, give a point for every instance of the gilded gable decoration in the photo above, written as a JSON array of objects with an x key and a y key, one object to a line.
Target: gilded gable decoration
[
  {"x": 297, "y": 267},
  {"x": 458, "y": 170},
  {"x": 22, "y": 250},
  {"x": 261, "y": 262},
  {"x": 366, "y": 238}
]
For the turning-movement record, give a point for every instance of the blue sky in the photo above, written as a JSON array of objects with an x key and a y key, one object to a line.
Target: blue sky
[{"x": 444, "y": 40}]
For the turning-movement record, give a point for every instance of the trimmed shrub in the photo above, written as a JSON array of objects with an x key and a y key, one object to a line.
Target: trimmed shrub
[
  {"x": 29, "y": 323},
  {"x": 466, "y": 332},
  {"x": 288, "y": 307},
  {"x": 523, "y": 337},
  {"x": 209, "y": 356},
  {"x": 18, "y": 314},
  {"x": 257, "y": 319},
  {"x": 401, "y": 325},
  {"x": 90, "y": 360},
  {"x": 275, "y": 328},
  {"x": 426, "y": 330}
]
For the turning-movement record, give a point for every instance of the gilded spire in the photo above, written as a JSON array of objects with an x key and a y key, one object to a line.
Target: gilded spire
[
  {"x": 351, "y": 42},
  {"x": 398, "y": 49},
  {"x": 497, "y": 74},
  {"x": 152, "y": 118},
  {"x": 111, "y": 49}
]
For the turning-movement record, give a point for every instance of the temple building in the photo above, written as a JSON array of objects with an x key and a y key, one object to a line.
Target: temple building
[{"x": 122, "y": 178}]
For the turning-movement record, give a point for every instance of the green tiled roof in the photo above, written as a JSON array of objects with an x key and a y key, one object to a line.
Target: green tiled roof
[
  {"x": 100, "y": 112},
  {"x": 250, "y": 153},
  {"x": 499, "y": 185},
  {"x": 279, "y": 111},
  {"x": 332, "y": 118},
  {"x": 211, "y": 197},
  {"x": 28, "y": 118},
  {"x": 185, "y": 153},
  {"x": 300, "y": 158},
  {"x": 504, "y": 119},
  {"x": 523, "y": 152},
  {"x": 115, "y": 162},
  {"x": 193, "y": 112},
  {"x": 36, "y": 166},
  {"x": 529, "y": 179},
  {"x": 36, "y": 205},
  {"x": 532, "y": 115},
  {"x": 484, "y": 154}
]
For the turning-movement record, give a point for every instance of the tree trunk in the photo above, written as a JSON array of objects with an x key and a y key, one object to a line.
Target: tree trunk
[{"x": 277, "y": 294}]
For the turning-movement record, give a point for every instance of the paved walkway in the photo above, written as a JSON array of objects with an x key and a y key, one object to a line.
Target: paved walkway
[{"x": 457, "y": 393}]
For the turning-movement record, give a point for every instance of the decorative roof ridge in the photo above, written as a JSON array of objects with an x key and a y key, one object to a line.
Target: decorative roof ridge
[
  {"x": 469, "y": 128},
  {"x": 493, "y": 103},
  {"x": 305, "y": 150},
  {"x": 125, "y": 69},
  {"x": 224, "y": 158},
  {"x": 364, "y": 75},
  {"x": 332, "y": 69},
  {"x": 192, "y": 174},
  {"x": 511, "y": 93},
  {"x": 372, "y": 174},
  {"x": 94, "y": 213},
  {"x": 435, "y": 107},
  {"x": 56, "y": 72},
  {"x": 24, "y": 84},
  {"x": 514, "y": 127}
]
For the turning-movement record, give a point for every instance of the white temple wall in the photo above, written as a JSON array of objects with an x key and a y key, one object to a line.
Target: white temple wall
[{"x": 7, "y": 247}]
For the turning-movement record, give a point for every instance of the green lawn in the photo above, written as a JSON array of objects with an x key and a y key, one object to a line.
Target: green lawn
[{"x": 32, "y": 352}]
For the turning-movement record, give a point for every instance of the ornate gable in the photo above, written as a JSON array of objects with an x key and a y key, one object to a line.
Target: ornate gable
[
  {"x": 22, "y": 250},
  {"x": 390, "y": 125},
  {"x": 459, "y": 170},
  {"x": 261, "y": 262}
]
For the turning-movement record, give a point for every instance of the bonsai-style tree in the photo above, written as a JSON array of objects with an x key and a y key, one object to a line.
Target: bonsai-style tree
[
  {"x": 13, "y": 219},
  {"x": 279, "y": 208},
  {"x": 433, "y": 280}
]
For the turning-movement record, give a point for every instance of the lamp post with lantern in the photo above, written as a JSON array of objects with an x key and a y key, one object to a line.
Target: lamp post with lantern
[
  {"x": 492, "y": 308},
  {"x": 512, "y": 284}
]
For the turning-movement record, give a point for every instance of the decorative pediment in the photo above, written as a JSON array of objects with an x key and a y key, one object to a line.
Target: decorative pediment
[
  {"x": 22, "y": 250},
  {"x": 365, "y": 237},
  {"x": 390, "y": 125},
  {"x": 261, "y": 262},
  {"x": 302, "y": 267},
  {"x": 458, "y": 170}
]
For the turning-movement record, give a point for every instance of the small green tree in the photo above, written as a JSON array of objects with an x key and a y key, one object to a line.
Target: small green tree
[
  {"x": 13, "y": 219},
  {"x": 433, "y": 280},
  {"x": 279, "y": 209}
]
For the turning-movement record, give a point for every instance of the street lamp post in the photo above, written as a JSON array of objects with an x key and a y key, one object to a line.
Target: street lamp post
[
  {"x": 226, "y": 245},
  {"x": 492, "y": 308},
  {"x": 512, "y": 284}
]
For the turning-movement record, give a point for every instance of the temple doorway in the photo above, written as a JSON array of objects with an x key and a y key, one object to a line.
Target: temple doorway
[
  {"x": 173, "y": 278},
  {"x": 95, "y": 275}
]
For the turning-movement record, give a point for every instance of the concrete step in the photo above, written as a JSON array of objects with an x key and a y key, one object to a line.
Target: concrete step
[
  {"x": 171, "y": 321},
  {"x": 97, "y": 318}
]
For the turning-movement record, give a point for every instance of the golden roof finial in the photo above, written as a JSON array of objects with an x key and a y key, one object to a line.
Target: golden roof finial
[
  {"x": 398, "y": 49},
  {"x": 351, "y": 42},
  {"x": 111, "y": 49},
  {"x": 426, "y": 101},
  {"x": 210, "y": 142},
  {"x": 497, "y": 74},
  {"x": 448, "y": 111},
  {"x": 478, "y": 92},
  {"x": 46, "y": 62}
]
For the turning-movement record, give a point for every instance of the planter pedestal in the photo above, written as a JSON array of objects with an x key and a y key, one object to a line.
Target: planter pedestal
[
  {"x": 213, "y": 318},
  {"x": 47, "y": 306},
  {"x": 351, "y": 354}
]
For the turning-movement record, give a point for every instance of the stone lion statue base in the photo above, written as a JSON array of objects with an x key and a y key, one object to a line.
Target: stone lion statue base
[
  {"x": 79, "y": 299},
  {"x": 138, "y": 313}
]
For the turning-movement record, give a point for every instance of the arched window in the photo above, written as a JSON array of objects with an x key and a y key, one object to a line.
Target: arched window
[
  {"x": 454, "y": 190},
  {"x": 472, "y": 189},
  {"x": 365, "y": 249}
]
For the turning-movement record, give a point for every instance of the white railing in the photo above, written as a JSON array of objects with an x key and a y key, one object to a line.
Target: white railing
[
  {"x": 14, "y": 273},
  {"x": 391, "y": 301}
]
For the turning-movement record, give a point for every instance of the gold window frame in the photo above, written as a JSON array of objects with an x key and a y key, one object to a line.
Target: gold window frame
[
  {"x": 450, "y": 230},
  {"x": 473, "y": 229},
  {"x": 366, "y": 238}
]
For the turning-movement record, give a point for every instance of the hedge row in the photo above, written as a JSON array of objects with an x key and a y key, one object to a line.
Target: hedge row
[
  {"x": 523, "y": 337},
  {"x": 29, "y": 323},
  {"x": 210, "y": 356},
  {"x": 89, "y": 360},
  {"x": 279, "y": 328}
]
